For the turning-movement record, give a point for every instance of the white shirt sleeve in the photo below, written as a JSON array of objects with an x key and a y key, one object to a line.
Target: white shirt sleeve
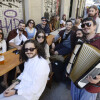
[
  {"x": 11, "y": 40},
  {"x": 20, "y": 76},
  {"x": 24, "y": 38},
  {"x": 56, "y": 37},
  {"x": 98, "y": 25},
  {"x": 47, "y": 53},
  {"x": 4, "y": 46}
]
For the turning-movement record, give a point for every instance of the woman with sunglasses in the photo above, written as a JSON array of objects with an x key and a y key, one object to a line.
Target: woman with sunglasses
[
  {"x": 3, "y": 48},
  {"x": 41, "y": 39},
  {"x": 30, "y": 29}
]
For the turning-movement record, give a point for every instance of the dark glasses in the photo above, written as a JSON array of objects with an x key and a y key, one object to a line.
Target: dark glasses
[
  {"x": 87, "y": 24},
  {"x": 44, "y": 20},
  {"x": 40, "y": 37},
  {"x": 31, "y": 23},
  {"x": 31, "y": 49}
]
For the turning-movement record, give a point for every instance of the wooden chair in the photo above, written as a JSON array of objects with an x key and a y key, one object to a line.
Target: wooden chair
[{"x": 50, "y": 39}]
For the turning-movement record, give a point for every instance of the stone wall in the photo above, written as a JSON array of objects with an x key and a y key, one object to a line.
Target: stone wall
[{"x": 11, "y": 12}]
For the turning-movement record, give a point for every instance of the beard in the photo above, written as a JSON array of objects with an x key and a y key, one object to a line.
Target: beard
[
  {"x": 21, "y": 29},
  {"x": 31, "y": 56}
]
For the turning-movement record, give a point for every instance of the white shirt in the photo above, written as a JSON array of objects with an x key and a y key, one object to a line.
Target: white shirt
[
  {"x": 18, "y": 39},
  {"x": 98, "y": 25},
  {"x": 33, "y": 79},
  {"x": 3, "y": 45},
  {"x": 47, "y": 53},
  {"x": 63, "y": 22}
]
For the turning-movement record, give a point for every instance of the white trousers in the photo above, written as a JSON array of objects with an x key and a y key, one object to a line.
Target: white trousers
[{"x": 14, "y": 97}]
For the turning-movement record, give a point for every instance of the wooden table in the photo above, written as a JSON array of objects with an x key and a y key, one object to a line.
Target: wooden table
[{"x": 11, "y": 61}]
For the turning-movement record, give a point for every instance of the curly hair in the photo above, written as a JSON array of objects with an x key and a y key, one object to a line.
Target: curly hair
[
  {"x": 45, "y": 41},
  {"x": 40, "y": 50}
]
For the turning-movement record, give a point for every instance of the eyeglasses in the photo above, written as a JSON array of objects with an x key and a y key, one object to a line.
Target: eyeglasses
[
  {"x": 87, "y": 24},
  {"x": 31, "y": 22},
  {"x": 31, "y": 49},
  {"x": 44, "y": 20},
  {"x": 40, "y": 37}
]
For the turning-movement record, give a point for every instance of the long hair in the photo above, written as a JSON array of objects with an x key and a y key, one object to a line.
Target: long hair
[
  {"x": 40, "y": 50},
  {"x": 96, "y": 9},
  {"x": 63, "y": 17},
  {"x": 45, "y": 41},
  {"x": 2, "y": 34}
]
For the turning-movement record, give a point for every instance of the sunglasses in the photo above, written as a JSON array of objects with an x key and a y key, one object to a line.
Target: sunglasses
[
  {"x": 87, "y": 24},
  {"x": 44, "y": 20},
  {"x": 31, "y": 49},
  {"x": 31, "y": 22},
  {"x": 40, "y": 37}
]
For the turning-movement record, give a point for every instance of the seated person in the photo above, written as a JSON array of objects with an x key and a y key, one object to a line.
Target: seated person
[
  {"x": 17, "y": 36},
  {"x": 41, "y": 39},
  {"x": 31, "y": 83},
  {"x": 2, "y": 42},
  {"x": 65, "y": 46},
  {"x": 15, "y": 39},
  {"x": 3, "y": 48},
  {"x": 79, "y": 34},
  {"x": 44, "y": 26},
  {"x": 30, "y": 29}
]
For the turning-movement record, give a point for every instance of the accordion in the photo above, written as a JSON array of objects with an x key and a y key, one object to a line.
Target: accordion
[{"x": 85, "y": 61}]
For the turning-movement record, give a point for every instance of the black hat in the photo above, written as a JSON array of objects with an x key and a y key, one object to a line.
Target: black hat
[{"x": 44, "y": 18}]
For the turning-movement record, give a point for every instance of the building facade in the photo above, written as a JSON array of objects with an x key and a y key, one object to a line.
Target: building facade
[{"x": 12, "y": 11}]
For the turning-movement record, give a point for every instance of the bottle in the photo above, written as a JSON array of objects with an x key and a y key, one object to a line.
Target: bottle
[{"x": 1, "y": 56}]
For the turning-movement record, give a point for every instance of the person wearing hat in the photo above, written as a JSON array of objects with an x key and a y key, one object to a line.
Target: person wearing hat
[{"x": 44, "y": 26}]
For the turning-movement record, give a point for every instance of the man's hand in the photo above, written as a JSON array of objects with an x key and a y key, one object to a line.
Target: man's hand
[
  {"x": 8, "y": 93},
  {"x": 18, "y": 47},
  {"x": 93, "y": 81}
]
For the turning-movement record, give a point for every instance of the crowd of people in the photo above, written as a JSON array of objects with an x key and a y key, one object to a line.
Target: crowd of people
[{"x": 35, "y": 52}]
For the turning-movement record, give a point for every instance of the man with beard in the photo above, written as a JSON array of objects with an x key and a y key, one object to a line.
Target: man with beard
[
  {"x": 17, "y": 36},
  {"x": 91, "y": 90},
  {"x": 31, "y": 83},
  {"x": 15, "y": 39},
  {"x": 93, "y": 12},
  {"x": 65, "y": 45}
]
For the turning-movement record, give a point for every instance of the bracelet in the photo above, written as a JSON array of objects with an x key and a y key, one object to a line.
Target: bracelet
[
  {"x": 16, "y": 91},
  {"x": 18, "y": 80}
]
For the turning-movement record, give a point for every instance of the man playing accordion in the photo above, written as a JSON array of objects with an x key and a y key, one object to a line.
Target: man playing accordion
[{"x": 91, "y": 90}]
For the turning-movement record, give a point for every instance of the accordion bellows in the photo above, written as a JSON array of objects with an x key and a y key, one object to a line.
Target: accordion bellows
[{"x": 87, "y": 57}]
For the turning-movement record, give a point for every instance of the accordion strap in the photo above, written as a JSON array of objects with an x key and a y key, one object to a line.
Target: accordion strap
[
  {"x": 92, "y": 40},
  {"x": 96, "y": 85}
]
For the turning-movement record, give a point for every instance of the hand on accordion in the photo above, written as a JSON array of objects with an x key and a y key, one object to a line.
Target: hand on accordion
[{"x": 94, "y": 81}]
